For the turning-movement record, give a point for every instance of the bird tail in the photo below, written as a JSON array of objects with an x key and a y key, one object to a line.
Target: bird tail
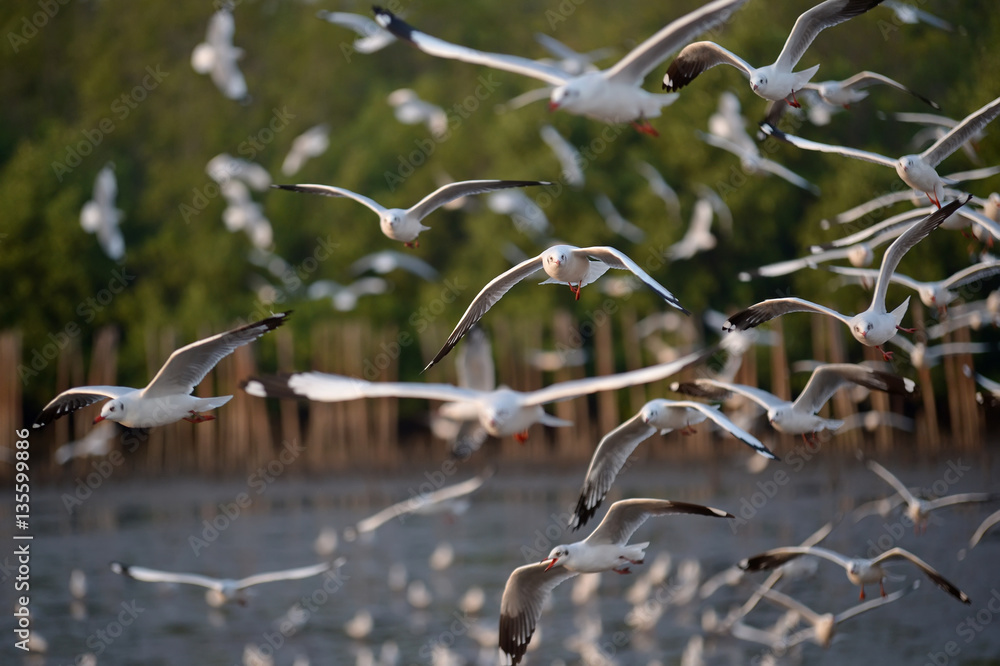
[
  {"x": 554, "y": 421},
  {"x": 207, "y": 404},
  {"x": 898, "y": 313},
  {"x": 805, "y": 76}
]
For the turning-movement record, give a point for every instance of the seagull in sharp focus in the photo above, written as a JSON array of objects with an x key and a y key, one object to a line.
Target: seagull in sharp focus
[
  {"x": 564, "y": 264},
  {"x": 918, "y": 509},
  {"x": 612, "y": 95},
  {"x": 860, "y": 570},
  {"x": 218, "y": 57},
  {"x": 776, "y": 81},
  {"x": 615, "y": 448},
  {"x": 874, "y": 326},
  {"x": 222, "y": 590},
  {"x": 167, "y": 398},
  {"x": 404, "y": 224},
  {"x": 800, "y": 417},
  {"x": 917, "y": 171},
  {"x": 501, "y": 412},
  {"x": 607, "y": 548},
  {"x": 99, "y": 215}
]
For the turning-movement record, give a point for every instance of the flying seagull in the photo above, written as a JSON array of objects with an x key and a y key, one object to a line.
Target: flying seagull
[
  {"x": 874, "y": 326},
  {"x": 218, "y": 57},
  {"x": 100, "y": 216},
  {"x": 403, "y": 224},
  {"x": 606, "y": 548},
  {"x": 167, "y": 398}
]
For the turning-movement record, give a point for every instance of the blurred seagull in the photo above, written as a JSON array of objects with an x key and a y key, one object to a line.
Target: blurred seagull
[
  {"x": 851, "y": 90},
  {"x": 660, "y": 188},
  {"x": 218, "y": 57},
  {"x": 567, "y": 154},
  {"x": 224, "y": 167},
  {"x": 570, "y": 61},
  {"x": 311, "y": 143},
  {"x": 984, "y": 527},
  {"x": 527, "y": 216},
  {"x": 615, "y": 222},
  {"x": 387, "y": 261},
  {"x": 344, "y": 298},
  {"x": 411, "y": 110},
  {"x": 98, "y": 442},
  {"x": 372, "y": 37},
  {"x": 99, "y": 215},
  {"x": 699, "y": 237},
  {"x": 911, "y": 15}
]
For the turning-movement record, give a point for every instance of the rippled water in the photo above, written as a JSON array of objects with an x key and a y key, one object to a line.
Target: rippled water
[{"x": 517, "y": 514}]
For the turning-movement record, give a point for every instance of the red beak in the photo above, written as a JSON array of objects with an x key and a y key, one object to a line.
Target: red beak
[
  {"x": 98, "y": 419},
  {"x": 553, "y": 106},
  {"x": 864, "y": 334},
  {"x": 551, "y": 561}
]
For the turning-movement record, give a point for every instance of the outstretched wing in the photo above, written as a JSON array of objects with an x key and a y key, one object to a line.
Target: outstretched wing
[
  {"x": 697, "y": 58},
  {"x": 448, "y": 193},
  {"x": 77, "y": 398},
  {"x": 526, "y": 592},
  {"x": 626, "y": 516},
  {"x": 755, "y": 315}
]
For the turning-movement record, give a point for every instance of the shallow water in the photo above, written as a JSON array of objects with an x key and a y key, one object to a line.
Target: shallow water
[{"x": 516, "y": 515}]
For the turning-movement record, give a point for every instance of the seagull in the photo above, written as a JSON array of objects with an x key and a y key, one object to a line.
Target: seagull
[
  {"x": 615, "y": 448},
  {"x": 936, "y": 126},
  {"x": 242, "y": 213},
  {"x": 699, "y": 237},
  {"x": 564, "y": 264},
  {"x": 567, "y": 154},
  {"x": 530, "y": 586},
  {"x": 344, "y": 298},
  {"x": 98, "y": 442},
  {"x": 527, "y": 216},
  {"x": 224, "y": 167},
  {"x": 753, "y": 162},
  {"x": 846, "y": 92},
  {"x": 167, "y": 398},
  {"x": 860, "y": 254},
  {"x": 917, "y": 510},
  {"x": 501, "y": 412},
  {"x": 937, "y": 294},
  {"x": 615, "y": 222},
  {"x": 962, "y": 218},
  {"x": 660, "y": 188},
  {"x": 436, "y": 501},
  {"x": 570, "y": 61},
  {"x": 800, "y": 417},
  {"x": 875, "y": 419},
  {"x": 907, "y": 13},
  {"x": 776, "y": 81},
  {"x": 874, "y": 326},
  {"x": 984, "y": 527},
  {"x": 860, "y": 571},
  {"x": 612, "y": 95},
  {"x": 917, "y": 171},
  {"x": 556, "y": 359},
  {"x": 987, "y": 383},
  {"x": 311, "y": 143},
  {"x": 222, "y": 590},
  {"x": 409, "y": 109},
  {"x": 218, "y": 57},
  {"x": 823, "y": 625},
  {"x": 99, "y": 215},
  {"x": 387, "y": 261},
  {"x": 404, "y": 224},
  {"x": 372, "y": 37},
  {"x": 475, "y": 369}
]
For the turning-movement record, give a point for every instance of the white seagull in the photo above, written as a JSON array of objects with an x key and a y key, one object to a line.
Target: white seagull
[
  {"x": 569, "y": 60},
  {"x": 800, "y": 417},
  {"x": 528, "y": 217},
  {"x": 345, "y": 297},
  {"x": 564, "y": 264},
  {"x": 409, "y": 109},
  {"x": 848, "y": 91},
  {"x": 224, "y": 167},
  {"x": 475, "y": 370},
  {"x": 222, "y": 590},
  {"x": 530, "y": 586},
  {"x": 567, "y": 154},
  {"x": 167, "y": 398},
  {"x": 874, "y": 326},
  {"x": 917, "y": 510},
  {"x": 615, "y": 447},
  {"x": 311, "y": 143},
  {"x": 907, "y": 13},
  {"x": 917, "y": 171},
  {"x": 99, "y": 215},
  {"x": 98, "y": 442},
  {"x": 242, "y": 213},
  {"x": 501, "y": 412},
  {"x": 984, "y": 527},
  {"x": 404, "y": 224},
  {"x": 218, "y": 57},
  {"x": 776, "y": 81},
  {"x": 964, "y": 217},
  {"x": 384, "y": 262},
  {"x": 615, "y": 222},
  {"x": 371, "y": 36},
  {"x": 612, "y": 95},
  {"x": 699, "y": 236},
  {"x": 660, "y": 188},
  {"x": 860, "y": 570}
]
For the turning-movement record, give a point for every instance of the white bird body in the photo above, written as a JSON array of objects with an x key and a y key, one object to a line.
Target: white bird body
[
  {"x": 100, "y": 216},
  {"x": 311, "y": 143},
  {"x": 218, "y": 57}
]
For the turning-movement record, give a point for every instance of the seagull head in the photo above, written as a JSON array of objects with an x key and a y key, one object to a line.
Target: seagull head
[
  {"x": 113, "y": 410},
  {"x": 557, "y": 255},
  {"x": 652, "y": 411},
  {"x": 565, "y": 95},
  {"x": 558, "y": 553},
  {"x": 757, "y": 81}
]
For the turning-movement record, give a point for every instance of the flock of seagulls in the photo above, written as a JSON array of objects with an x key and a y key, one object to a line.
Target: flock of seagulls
[{"x": 477, "y": 408}]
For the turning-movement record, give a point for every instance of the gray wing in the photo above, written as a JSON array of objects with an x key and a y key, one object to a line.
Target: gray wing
[
  {"x": 775, "y": 557},
  {"x": 323, "y": 387},
  {"x": 961, "y": 498},
  {"x": 785, "y": 173},
  {"x": 876, "y": 204},
  {"x": 617, "y": 259},
  {"x": 611, "y": 455},
  {"x": 931, "y": 572},
  {"x": 792, "y": 265},
  {"x": 755, "y": 315},
  {"x": 527, "y": 590},
  {"x": 188, "y": 365},
  {"x": 442, "y": 49},
  {"x": 971, "y": 274},
  {"x": 452, "y": 191},
  {"x": 286, "y": 574},
  {"x": 828, "y": 378},
  {"x": 916, "y": 233},
  {"x": 567, "y": 154},
  {"x": 962, "y": 132},
  {"x": 73, "y": 399},
  {"x": 626, "y": 516},
  {"x": 660, "y": 188},
  {"x": 891, "y": 479},
  {"x": 885, "y": 225},
  {"x": 697, "y": 58},
  {"x": 484, "y": 300},
  {"x": 641, "y": 60},
  {"x": 156, "y": 576},
  {"x": 811, "y": 23},
  {"x": 806, "y": 144},
  {"x": 330, "y": 191},
  {"x": 387, "y": 261},
  {"x": 864, "y": 79},
  {"x": 373, "y": 37},
  {"x": 875, "y": 603},
  {"x": 723, "y": 422},
  {"x": 984, "y": 527}
]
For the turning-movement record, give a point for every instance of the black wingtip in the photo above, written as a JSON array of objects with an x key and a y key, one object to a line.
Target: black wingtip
[
  {"x": 120, "y": 568},
  {"x": 393, "y": 23}
]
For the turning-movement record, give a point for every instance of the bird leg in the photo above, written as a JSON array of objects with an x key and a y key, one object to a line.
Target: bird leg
[
  {"x": 521, "y": 437},
  {"x": 626, "y": 570},
  {"x": 906, "y": 330},
  {"x": 933, "y": 199},
  {"x": 576, "y": 290},
  {"x": 645, "y": 127},
  {"x": 793, "y": 102},
  {"x": 886, "y": 356},
  {"x": 412, "y": 244},
  {"x": 881, "y": 588},
  {"x": 198, "y": 418},
  {"x": 688, "y": 430},
  {"x": 861, "y": 597}
]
